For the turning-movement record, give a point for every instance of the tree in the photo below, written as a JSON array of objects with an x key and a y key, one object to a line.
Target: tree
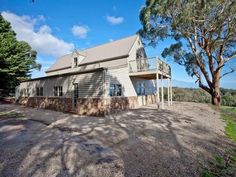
[
  {"x": 204, "y": 33},
  {"x": 17, "y": 59}
]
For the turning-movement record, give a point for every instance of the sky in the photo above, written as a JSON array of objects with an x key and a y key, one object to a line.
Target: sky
[{"x": 54, "y": 28}]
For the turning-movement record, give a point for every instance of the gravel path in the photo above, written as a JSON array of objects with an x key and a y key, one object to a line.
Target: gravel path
[{"x": 176, "y": 141}]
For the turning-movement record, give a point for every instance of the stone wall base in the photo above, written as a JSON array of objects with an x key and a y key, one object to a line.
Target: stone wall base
[
  {"x": 86, "y": 106},
  {"x": 53, "y": 103}
]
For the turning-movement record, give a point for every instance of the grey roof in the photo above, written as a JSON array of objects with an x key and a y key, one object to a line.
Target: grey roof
[
  {"x": 102, "y": 52},
  {"x": 66, "y": 74}
]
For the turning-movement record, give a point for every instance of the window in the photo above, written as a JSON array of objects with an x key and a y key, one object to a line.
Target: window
[
  {"x": 39, "y": 91},
  {"x": 24, "y": 92},
  {"x": 76, "y": 93},
  {"x": 75, "y": 62},
  {"x": 27, "y": 92},
  {"x": 60, "y": 91},
  {"x": 140, "y": 86},
  {"x": 115, "y": 90},
  {"x": 140, "y": 53},
  {"x": 57, "y": 91}
]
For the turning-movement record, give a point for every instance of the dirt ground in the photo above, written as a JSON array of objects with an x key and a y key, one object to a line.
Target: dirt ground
[{"x": 176, "y": 141}]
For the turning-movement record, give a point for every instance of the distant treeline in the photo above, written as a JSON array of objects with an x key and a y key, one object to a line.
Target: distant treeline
[{"x": 228, "y": 96}]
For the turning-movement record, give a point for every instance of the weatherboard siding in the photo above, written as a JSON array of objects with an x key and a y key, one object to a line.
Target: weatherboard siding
[
  {"x": 121, "y": 76},
  {"x": 90, "y": 85},
  {"x": 132, "y": 54}
]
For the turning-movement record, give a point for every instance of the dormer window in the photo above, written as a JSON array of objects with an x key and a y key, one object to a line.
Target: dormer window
[{"x": 75, "y": 61}]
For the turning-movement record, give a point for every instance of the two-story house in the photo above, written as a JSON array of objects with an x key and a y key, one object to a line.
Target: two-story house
[{"x": 98, "y": 80}]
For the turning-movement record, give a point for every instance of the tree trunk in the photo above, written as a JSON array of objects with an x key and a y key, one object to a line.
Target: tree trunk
[
  {"x": 215, "y": 98},
  {"x": 215, "y": 95}
]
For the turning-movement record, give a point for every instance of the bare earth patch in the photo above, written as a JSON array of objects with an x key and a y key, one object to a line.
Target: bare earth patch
[{"x": 177, "y": 141}]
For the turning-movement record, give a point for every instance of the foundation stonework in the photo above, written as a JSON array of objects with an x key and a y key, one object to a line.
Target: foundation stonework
[
  {"x": 150, "y": 99},
  {"x": 53, "y": 103},
  {"x": 85, "y": 106}
]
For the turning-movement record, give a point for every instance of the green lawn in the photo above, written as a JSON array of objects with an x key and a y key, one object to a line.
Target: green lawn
[
  {"x": 229, "y": 109},
  {"x": 229, "y": 115},
  {"x": 7, "y": 114},
  {"x": 225, "y": 165}
]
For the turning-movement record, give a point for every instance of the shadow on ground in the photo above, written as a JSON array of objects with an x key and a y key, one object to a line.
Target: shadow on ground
[{"x": 142, "y": 142}]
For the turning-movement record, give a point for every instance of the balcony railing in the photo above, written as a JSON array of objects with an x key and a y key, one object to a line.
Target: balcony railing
[
  {"x": 164, "y": 67},
  {"x": 149, "y": 64}
]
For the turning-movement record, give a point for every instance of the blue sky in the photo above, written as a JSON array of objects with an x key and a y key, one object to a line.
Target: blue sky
[{"x": 54, "y": 28}]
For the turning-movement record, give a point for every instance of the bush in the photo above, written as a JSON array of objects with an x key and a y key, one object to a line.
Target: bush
[{"x": 228, "y": 96}]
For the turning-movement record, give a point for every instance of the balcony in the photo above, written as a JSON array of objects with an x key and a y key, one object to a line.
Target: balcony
[{"x": 149, "y": 67}]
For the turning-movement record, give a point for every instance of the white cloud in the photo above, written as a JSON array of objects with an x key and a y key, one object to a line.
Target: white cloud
[
  {"x": 114, "y": 20},
  {"x": 80, "y": 31},
  {"x": 41, "y": 40}
]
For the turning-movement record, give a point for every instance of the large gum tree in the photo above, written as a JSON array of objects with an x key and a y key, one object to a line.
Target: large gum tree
[{"x": 204, "y": 33}]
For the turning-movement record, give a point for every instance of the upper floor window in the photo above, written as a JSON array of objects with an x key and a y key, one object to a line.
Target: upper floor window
[
  {"x": 57, "y": 91},
  {"x": 115, "y": 90},
  {"x": 75, "y": 61},
  {"x": 140, "y": 53},
  {"x": 39, "y": 91}
]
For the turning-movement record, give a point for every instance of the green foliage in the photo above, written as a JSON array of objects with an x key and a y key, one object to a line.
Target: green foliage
[
  {"x": 190, "y": 95},
  {"x": 207, "y": 173},
  {"x": 228, "y": 99},
  {"x": 225, "y": 164},
  {"x": 229, "y": 109},
  {"x": 221, "y": 165},
  {"x": 200, "y": 96},
  {"x": 204, "y": 33},
  {"x": 229, "y": 115},
  {"x": 231, "y": 129},
  {"x": 17, "y": 59},
  {"x": 5, "y": 115}
]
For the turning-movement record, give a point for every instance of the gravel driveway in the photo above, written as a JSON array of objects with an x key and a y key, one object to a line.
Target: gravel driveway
[{"x": 176, "y": 141}]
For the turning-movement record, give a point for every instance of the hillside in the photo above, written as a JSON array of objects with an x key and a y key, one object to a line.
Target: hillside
[{"x": 198, "y": 95}]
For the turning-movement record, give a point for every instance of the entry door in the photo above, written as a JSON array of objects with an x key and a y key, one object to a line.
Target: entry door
[
  {"x": 76, "y": 94},
  {"x": 140, "y": 88}
]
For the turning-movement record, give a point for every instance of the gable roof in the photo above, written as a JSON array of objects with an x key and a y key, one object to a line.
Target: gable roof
[{"x": 108, "y": 51}]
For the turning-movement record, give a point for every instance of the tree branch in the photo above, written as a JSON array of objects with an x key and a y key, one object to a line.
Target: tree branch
[
  {"x": 229, "y": 72},
  {"x": 200, "y": 64},
  {"x": 230, "y": 58},
  {"x": 199, "y": 80}
]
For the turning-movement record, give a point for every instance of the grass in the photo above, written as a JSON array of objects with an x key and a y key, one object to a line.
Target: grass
[
  {"x": 229, "y": 115},
  {"x": 225, "y": 165},
  {"x": 229, "y": 109},
  {"x": 7, "y": 114}
]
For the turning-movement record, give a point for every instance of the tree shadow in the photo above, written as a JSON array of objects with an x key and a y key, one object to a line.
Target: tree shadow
[{"x": 140, "y": 142}]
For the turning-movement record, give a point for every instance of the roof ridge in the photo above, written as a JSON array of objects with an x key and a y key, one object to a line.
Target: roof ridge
[
  {"x": 111, "y": 42},
  {"x": 79, "y": 50},
  {"x": 127, "y": 44}
]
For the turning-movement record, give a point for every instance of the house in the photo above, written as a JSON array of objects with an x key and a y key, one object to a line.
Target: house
[{"x": 102, "y": 79}]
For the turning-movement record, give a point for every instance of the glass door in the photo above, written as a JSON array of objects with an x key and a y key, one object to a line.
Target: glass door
[
  {"x": 140, "y": 88},
  {"x": 76, "y": 94}
]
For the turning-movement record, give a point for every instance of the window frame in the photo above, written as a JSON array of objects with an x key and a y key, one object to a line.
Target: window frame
[
  {"x": 140, "y": 88},
  {"x": 58, "y": 91},
  {"x": 39, "y": 91},
  {"x": 75, "y": 62},
  {"x": 115, "y": 90}
]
